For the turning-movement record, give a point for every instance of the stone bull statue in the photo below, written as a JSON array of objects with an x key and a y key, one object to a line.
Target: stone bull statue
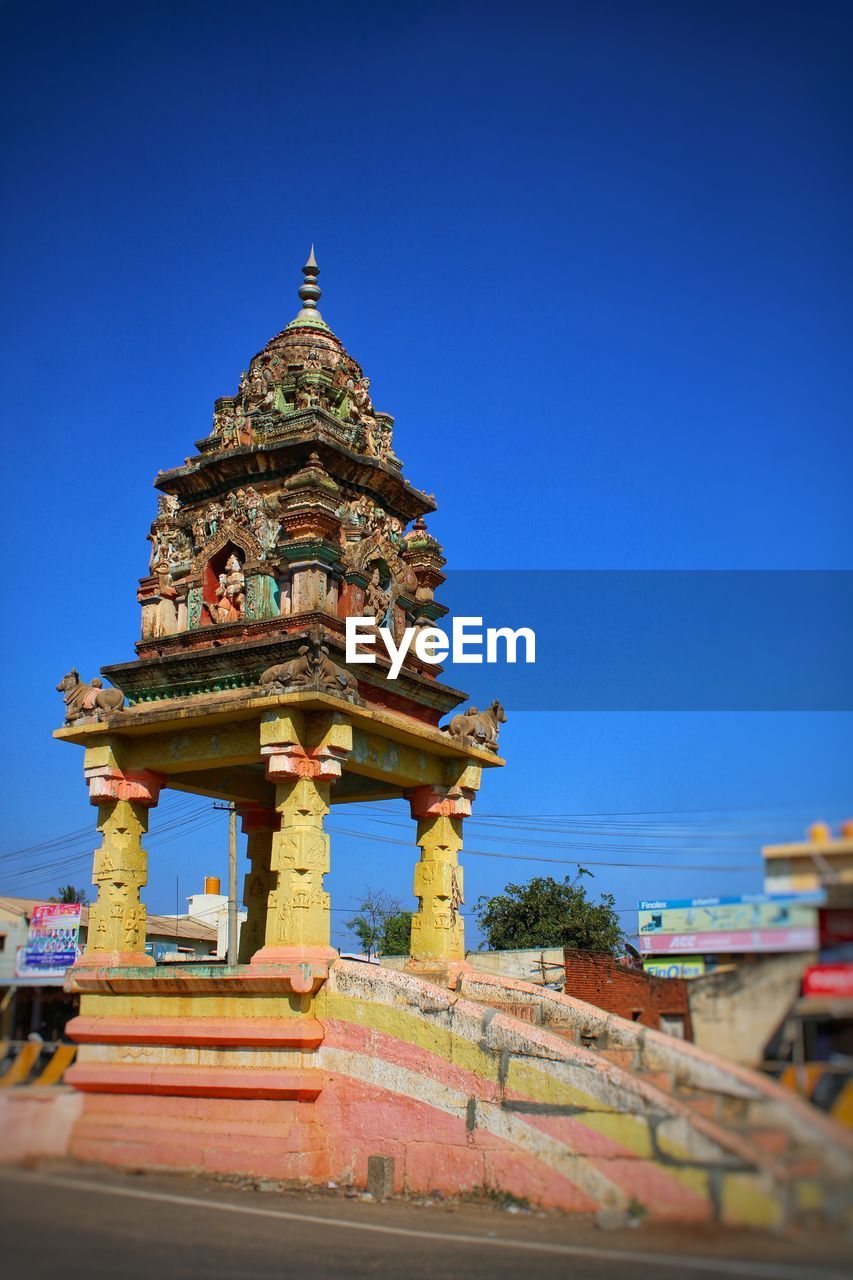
[
  {"x": 290, "y": 675},
  {"x": 87, "y": 701},
  {"x": 312, "y": 668},
  {"x": 482, "y": 726}
]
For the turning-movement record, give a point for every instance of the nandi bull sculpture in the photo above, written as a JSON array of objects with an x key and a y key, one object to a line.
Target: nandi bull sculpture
[
  {"x": 312, "y": 668},
  {"x": 482, "y": 727},
  {"x": 87, "y": 701}
]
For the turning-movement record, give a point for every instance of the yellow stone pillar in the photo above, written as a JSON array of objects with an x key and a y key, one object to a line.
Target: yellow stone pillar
[
  {"x": 116, "y": 931},
  {"x": 438, "y": 929},
  {"x": 303, "y": 757},
  {"x": 259, "y": 824}
]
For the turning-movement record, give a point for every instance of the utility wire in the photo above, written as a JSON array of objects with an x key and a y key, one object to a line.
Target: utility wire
[{"x": 572, "y": 862}]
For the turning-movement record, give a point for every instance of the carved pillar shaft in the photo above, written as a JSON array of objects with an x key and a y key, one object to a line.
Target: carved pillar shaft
[
  {"x": 116, "y": 932},
  {"x": 438, "y": 929},
  {"x": 303, "y": 757},
  {"x": 298, "y": 912},
  {"x": 259, "y": 825}
]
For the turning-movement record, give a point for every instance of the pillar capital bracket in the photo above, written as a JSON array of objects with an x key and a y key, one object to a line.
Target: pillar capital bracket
[
  {"x": 291, "y": 761},
  {"x": 295, "y": 746},
  {"x": 440, "y": 802},
  {"x": 256, "y": 817},
  {"x": 139, "y": 786}
]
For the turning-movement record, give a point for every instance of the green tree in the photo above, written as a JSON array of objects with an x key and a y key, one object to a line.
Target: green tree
[
  {"x": 550, "y": 913},
  {"x": 68, "y": 893},
  {"x": 376, "y": 911},
  {"x": 397, "y": 935}
]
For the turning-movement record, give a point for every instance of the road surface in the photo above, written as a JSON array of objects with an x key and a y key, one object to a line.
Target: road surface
[{"x": 65, "y": 1220}]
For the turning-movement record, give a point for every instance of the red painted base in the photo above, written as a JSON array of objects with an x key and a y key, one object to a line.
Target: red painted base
[{"x": 257, "y": 1137}]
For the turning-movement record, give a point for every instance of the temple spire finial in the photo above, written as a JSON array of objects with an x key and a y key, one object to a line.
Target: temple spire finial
[{"x": 310, "y": 292}]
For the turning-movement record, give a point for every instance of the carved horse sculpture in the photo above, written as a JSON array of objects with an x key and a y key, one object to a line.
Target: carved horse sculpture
[
  {"x": 85, "y": 701},
  {"x": 482, "y": 726}
]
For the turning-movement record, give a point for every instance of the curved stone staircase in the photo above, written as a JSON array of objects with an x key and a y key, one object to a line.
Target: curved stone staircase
[
  {"x": 495, "y": 1087},
  {"x": 566, "y": 1106},
  {"x": 769, "y": 1155}
]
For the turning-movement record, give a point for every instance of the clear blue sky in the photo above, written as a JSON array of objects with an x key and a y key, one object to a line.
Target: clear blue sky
[{"x": 596, "y": 259}]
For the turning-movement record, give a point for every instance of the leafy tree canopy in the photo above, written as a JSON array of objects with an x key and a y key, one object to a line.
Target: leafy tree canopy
[
  {"x": 68, "y": 893},
  {"x": 550, "y": 913},
  {"x": 381, "y": 925},
  {"x": 398, "y": 934}
]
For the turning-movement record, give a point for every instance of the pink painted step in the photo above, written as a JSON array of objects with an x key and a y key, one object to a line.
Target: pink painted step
[
  {"x": 196, "y": 1082},
  {"x": 704, "y": 1104},
  {"x": 622, "y": 1057},
  {"x": 774, "y": 1141}
]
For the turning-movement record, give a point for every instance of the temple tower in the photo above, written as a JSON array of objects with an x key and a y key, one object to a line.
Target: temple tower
[{"x": 292, "y": 515}]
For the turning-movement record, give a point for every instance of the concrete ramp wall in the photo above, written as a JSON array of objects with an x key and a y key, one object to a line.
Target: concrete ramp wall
[
  {"x": 495, "y": 1087},
  {"x": 476, "y": 1090}
]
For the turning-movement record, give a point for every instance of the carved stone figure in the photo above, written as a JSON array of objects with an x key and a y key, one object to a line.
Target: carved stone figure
[
  {"x": 308, "y": 396},
  {"x": 267, "y": 531},
  {"x": 298, "y": 672},
  {"x": 360, "y": 410},
  {"x": 168, "y": 504},
  {"x": 312, "y": 668},
  {"x": 199, "y": 530},
  {"x": 156, "y": 548},
  {"x": 252, "y": 505},
  {"x": 179, "y": 549},
  {"x": 87, "y": 701},
  {"x": 376, "y": 601},
  {"x": 230, "y": 594},
  {"x": 382, "y": 439},
  {"x": 225, "y": 426},
  {"x": 212, "y": 517},
  {"x": 481, "y": 726}
]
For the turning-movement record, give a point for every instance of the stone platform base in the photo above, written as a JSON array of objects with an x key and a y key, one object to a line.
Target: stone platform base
[
  {"x": 234, "y": 1071},
  {"x": 36, "y": 1123},
  {"x": 258, "y": 1137}
]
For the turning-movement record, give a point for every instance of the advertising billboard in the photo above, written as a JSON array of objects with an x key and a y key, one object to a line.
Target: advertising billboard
[
  {"x": 754, "y": 922},
  {"x": 51, "y": 945},
  {"x": 833, "y": 980},
  {"x": 682, "y": 967}
]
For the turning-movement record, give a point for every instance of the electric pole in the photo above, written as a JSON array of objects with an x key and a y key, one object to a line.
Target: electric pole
[
  {"x": 232, "y": 885},
  {"x": 231, "y": 955}
]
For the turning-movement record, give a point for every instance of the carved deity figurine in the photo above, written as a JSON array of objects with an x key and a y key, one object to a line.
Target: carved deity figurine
[
  {"x": 376, "y": 601},
  {"x": 156, "y": 548},
  {"x": 212, "y": 516},
  {"x": 361, "y": 408},
  {"x": 225, "y": 426},
  {"x": 230, "y": 594},
  {"x": 168, "y": 504},
  {"x": 257, "y": 385},
  {"x": 382, "y": 440},
  {"x": 234, "y": 588}
]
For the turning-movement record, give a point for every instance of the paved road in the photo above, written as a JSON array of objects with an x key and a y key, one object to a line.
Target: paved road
[{"x": 81, "y": 1222}]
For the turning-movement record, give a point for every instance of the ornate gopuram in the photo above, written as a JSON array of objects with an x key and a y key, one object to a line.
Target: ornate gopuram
[
  {"x": 292, "y": 515},
  {"x": 295, "y": 1064}
]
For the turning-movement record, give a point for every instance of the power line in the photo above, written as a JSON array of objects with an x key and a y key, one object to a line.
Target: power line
[{"x": 572, "y": 862}]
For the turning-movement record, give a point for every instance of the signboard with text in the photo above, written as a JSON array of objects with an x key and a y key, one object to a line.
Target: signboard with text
[
  {"x": 832, "y": 980},
  {"x": 52, "y": 941},
  {"x": 683, "y": 967},
  {"x": 752, "y": 922}
]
